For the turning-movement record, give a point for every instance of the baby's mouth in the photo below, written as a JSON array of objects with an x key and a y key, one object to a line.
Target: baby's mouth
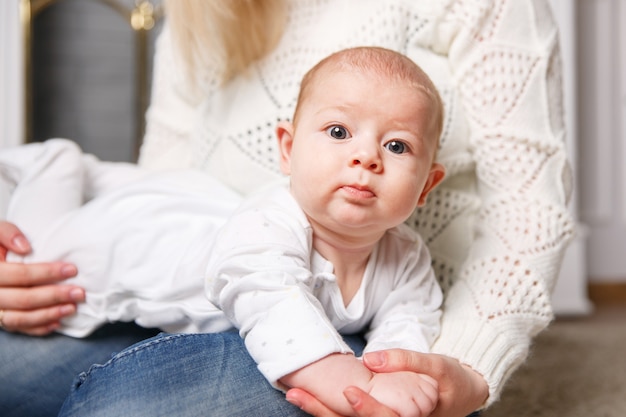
[{"x": 358, "y": 191}]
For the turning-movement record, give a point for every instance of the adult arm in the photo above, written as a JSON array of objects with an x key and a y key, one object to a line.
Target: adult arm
[
  {"x": 170, "y": 115},
  {"x": 503, "y": 57},
  {"x": 31, "y": 300}
]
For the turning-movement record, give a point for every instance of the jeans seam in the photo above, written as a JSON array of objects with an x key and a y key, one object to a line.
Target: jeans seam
[
  {"x": 147, "y": 344},
  {"x": 116, "y": 357}
]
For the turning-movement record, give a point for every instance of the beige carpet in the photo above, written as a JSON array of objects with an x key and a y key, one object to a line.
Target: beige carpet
[{"x": 577, "y": 368}]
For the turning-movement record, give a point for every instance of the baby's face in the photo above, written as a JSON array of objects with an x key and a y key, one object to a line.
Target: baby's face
[{"x": 361, "y": 158}]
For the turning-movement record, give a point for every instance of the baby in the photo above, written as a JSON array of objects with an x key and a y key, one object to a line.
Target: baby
[
  {"x": 329, "y": 253},
  {"x": 298, "y": 264}
]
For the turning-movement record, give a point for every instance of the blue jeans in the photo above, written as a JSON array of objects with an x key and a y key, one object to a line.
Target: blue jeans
[
  {"x": 36, "y": 373},
  {"x": 181, "y": 375}
]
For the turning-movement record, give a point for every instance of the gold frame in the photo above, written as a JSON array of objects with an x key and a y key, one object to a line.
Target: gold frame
[{"x": 142, "y": 18}]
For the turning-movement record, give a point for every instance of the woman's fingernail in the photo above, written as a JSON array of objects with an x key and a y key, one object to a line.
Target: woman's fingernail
[
  {"x": 67, "y": 310},
  {"x": 351, "y": 396},
  {"x": 294, "y": 401},
  {"x": 374, "y": 359},
  {"x": 69, "y": 271},
  {"x": 21, "y": 244},
  {"x": 53, "y": 327},
  {"x": 77, "y": 295}
]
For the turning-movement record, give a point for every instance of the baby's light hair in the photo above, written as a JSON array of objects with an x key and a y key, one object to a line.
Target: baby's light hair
[{"x": 381, "y": 62}]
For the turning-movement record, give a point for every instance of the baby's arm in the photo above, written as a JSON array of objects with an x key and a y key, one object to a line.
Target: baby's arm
[
  {"x": 407, "y": 393},
  {"x": 327, "y": 378}
]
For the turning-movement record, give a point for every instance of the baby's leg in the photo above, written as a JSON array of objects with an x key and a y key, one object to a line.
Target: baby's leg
[{"x": 42, "y": 181}]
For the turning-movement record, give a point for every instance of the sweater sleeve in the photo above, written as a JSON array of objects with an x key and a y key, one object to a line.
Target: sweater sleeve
[
  {"x": 504, "y": 61},
  {"x": 169, "y": 118}
]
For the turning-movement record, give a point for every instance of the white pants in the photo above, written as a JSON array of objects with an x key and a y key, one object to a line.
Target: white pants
[{"x": 140, "y": 244}]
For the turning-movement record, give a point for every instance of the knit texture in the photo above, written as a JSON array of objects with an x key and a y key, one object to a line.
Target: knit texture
[{"x": 497, "y": 226}]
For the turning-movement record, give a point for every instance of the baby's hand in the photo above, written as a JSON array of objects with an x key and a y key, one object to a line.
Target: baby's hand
[{"x": 408, "y": 393}]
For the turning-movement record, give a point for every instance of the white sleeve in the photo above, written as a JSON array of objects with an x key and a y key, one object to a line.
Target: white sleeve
[
  {"x": 259, "y": 275},
  {"x": 170, "y": 116},
  {"x": 504, "y": 60},
  {"x": 409, "y": 317}
]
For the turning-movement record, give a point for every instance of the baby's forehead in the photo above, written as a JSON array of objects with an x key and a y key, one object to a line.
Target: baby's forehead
[
  {"x": 370, "y": 66},
  {"x": 406, "y": 77},
  {"x": 365, "y": 80},
  {"x": 358, "y": 75}
]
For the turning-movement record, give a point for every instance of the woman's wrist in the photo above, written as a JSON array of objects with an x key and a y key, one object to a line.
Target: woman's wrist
[{"x": 479, "y": 384}]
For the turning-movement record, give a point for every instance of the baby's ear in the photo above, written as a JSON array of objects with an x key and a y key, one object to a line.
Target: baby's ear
[
  {"x": 284, "y": 134},
  {"x": 435, "y": 176}
]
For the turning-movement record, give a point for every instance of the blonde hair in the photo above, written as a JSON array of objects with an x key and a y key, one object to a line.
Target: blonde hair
[
  {"x": 227, "y": 35},
  {"x": 378, "y": 61}
]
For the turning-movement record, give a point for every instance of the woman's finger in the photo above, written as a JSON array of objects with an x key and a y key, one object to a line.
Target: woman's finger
[
  {"x": 37, "y": 322},
  {"x": 393, "y": 360},
  {"x": 31, "y": 301},
  {"x": 12, "y": 239},
  {"x": 308, "y": 403},
  {"x": 45, "y": 296},
  {"x": 28, "y": 275},
  {"x": 365, "y": 405}
]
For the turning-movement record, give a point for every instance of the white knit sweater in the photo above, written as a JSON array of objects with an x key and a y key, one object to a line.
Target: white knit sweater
[{"x": 498, "y": 225}]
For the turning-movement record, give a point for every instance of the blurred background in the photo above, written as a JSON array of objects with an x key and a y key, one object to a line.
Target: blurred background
[
  {"x": 81, "y": 69},
  {"x": 87, "y": 67}
]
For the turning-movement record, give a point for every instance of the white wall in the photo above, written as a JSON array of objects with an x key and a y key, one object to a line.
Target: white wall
[
  {"x": 602, "y": 135},
  {"x": 570, "y": 293},
  {"x": 84, "y": 64},
  {"x": 11, "y": 81}
]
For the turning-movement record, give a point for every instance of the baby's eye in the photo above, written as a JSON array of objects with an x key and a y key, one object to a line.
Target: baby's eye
[
  {"x": 338, "y": 132},
  {"x": 396, "y": 147}
]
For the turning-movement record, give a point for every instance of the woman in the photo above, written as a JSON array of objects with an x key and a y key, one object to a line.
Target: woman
[{"x": 496, "y": 227}]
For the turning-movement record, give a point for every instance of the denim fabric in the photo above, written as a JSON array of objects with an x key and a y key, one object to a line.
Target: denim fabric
[
  {"x": 181, "y": 375},
  {"x": 36, "y": 373},
  {"x": 178, "y": 375}
]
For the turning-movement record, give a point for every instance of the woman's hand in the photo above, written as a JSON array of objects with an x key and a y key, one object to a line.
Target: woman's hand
[
  {"x": 461, "y": 389},
  {"x": 31, "y": 301},
  {"x": 362, "y": 403}
]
